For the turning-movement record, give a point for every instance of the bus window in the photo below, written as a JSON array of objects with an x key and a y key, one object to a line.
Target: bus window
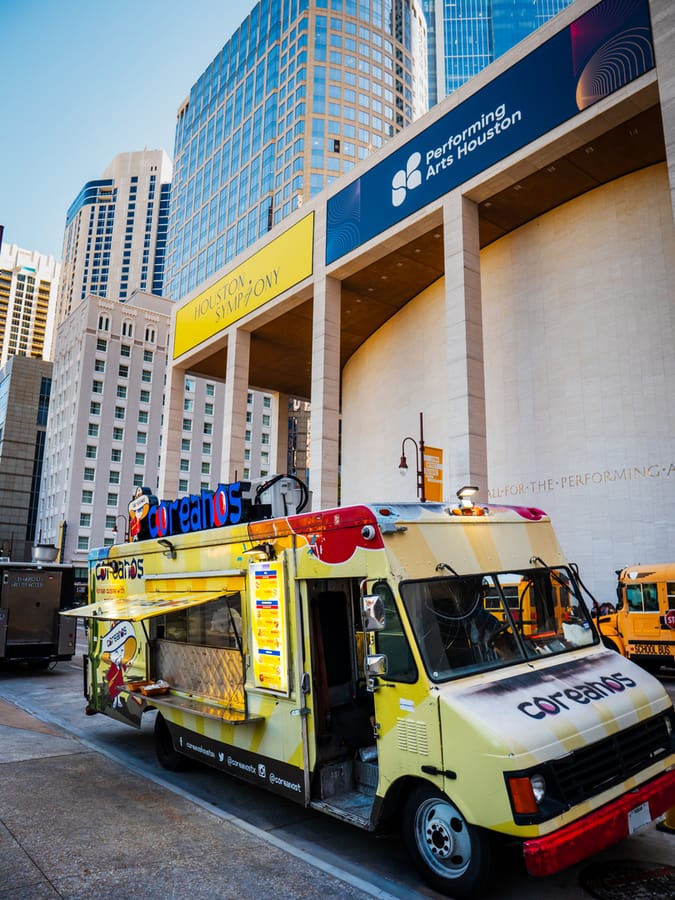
[{"x": 642, "y": 598}]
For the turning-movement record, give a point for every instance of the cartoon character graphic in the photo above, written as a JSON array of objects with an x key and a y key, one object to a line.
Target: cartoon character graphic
[
  {"x": 119, "y": 649},
  {"x": 138, "y": 509}
]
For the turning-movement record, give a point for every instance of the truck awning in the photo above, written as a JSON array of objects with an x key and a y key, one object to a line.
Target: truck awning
[{"x": 144, "y": 606}]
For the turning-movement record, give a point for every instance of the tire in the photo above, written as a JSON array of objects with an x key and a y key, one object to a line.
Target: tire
[
  {"x": 453, "y": 856},
  {"x": 168, "y": 757},
  {"x": 609, "y": 643}
]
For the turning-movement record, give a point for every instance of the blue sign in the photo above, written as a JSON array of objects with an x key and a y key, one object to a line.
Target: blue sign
[{"x": 600, "y": 52}]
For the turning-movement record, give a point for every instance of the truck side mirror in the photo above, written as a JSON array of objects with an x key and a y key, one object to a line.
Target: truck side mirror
[
  {"x": 372, "y": 612},
  {"x": 376, "y": 664}
]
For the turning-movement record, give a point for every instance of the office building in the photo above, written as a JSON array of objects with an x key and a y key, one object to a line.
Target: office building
[
  {"x": 103, "y": 438},
  {"x": 518, "y": 293},
  {"x": 25, "y": 386},
  {"x": 28, "y": 290},
  {"x": 464, "y": 36},
  {"x": 115, "y": 234},
  {"x": 297, "y": 96}
]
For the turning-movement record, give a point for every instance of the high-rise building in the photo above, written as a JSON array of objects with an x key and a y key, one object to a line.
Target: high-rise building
[
  {"x": 25, "y": 386},
  {"x": 115, "y": 234},
  {"x": 103, "y": 437},
  {"x": 465, "y": 36},
  {"x": 28, "y": 286},
  {"x": 294, "y": 99}
]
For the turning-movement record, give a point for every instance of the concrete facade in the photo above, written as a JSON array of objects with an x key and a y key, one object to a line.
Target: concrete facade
[{"x": 526, "y": 312}]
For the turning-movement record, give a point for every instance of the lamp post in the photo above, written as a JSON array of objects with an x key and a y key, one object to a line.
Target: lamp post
[
  {"x": 126, "y": 526},
  {"x": 419, "y": 459}
]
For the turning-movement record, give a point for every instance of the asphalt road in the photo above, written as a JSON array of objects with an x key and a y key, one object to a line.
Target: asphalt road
[{"x": 56, "y": 696}]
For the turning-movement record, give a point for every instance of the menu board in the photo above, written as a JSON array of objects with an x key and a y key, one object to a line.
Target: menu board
[{"x": 268, "y": 619}]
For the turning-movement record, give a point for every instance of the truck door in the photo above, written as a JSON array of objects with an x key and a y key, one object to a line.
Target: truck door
[{"x": 343, "y": 731}]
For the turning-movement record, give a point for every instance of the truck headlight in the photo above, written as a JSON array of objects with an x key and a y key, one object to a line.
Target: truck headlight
[{"x": 538, "y": 787}]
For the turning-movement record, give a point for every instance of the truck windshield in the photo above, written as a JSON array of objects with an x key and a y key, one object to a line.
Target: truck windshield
[{"x": 472, "y": 623}]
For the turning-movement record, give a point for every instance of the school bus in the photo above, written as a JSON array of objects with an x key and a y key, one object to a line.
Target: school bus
[
  {"x": 344, "y": 659},
  {"x": 643, "y": 626}
]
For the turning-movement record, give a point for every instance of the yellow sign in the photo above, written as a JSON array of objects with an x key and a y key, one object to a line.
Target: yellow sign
[
  {"x": 433, "y": 474},
  {"x": 283, "y": 263},
  {"x": 268, "y": 626}
]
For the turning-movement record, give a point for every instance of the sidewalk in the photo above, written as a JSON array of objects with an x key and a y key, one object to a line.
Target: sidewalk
[{"x": 74, "y": 824}]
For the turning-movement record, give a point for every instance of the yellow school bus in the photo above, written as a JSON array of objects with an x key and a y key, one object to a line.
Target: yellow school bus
[
  {"x": 643, "y": 626},
  {"x": 345, "y": 659}
]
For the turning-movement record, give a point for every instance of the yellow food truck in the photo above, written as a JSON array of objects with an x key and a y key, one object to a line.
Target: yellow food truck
[
  {"x": 643, "y": 626},
  {"x": 346, "y": 659}
]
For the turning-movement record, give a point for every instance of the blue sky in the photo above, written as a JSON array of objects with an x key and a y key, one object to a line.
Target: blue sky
[{"x": 82, "y": 81}]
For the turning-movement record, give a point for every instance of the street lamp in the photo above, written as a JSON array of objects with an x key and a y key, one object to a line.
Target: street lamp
[
  {"x": 419, "y": 459},
  {"x": 126, "y": 527}
]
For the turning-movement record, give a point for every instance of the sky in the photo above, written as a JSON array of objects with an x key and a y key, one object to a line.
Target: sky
[{"x": 84, "y": 80}]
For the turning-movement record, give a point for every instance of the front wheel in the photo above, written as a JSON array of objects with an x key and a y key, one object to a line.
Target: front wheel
[
  {"x": 168, "y": 757},
  {"x": 452, "y": 855}
]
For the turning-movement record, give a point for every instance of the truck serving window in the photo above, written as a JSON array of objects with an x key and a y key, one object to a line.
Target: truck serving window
[{"x": 472, "y": 623}]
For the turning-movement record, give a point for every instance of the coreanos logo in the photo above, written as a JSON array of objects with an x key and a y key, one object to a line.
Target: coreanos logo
[{"x": 406, "y": 179}]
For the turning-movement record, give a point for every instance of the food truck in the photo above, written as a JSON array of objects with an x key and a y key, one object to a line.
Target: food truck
[
  {"x": 345, "y": 659},
  {"x": 643, "y": 626}
]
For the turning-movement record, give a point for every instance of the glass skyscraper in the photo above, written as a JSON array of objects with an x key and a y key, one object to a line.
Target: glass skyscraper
[
  {"x": 300, "y": 93},
  {"x": 467, "y": 35}
]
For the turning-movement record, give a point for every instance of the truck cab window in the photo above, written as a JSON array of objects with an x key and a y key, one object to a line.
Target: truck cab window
[{"x": 392, "y": 640}]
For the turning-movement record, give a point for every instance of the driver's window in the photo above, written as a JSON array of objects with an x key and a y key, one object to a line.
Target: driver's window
[{"x": 392, "y": 640}]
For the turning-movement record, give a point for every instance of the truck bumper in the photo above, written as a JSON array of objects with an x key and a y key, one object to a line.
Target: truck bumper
[{"x": 600, "y": 829}]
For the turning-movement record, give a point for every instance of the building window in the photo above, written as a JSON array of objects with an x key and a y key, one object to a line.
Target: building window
[
  {"x": 119, "y": 412},
  {"x": 264, "y": 438},
  {"x": 189, "y": 385},
  {"x": 208, "y": 409},
  {"x": 146, "y": 376},
  {"x": 206, "y": 449},
  {"x": 247, "y": 437},
  {"x": 87, "y": 498},
  {"x": 145, "y": 396},
  {"x": 101, "y": 345},
  {"x": 116, "y": 455},
  {"x": 125, "y": 350},
  {"x": 118, "y": 434},
  {"x": 140, "y": 459},
  {"x": 208, "y": 427},
  {"x": 82, "y": 542},
  {"x": 99, "y": 365},
  {"x": 148, "y": 355},
  {"x": 185, "y": 445},
  {"x": 206, "y": 468},
  {"x": 92, "y": 430},
  {"x": 210, "y": 390},
  {"x": 143, "y": 416},
  {"x": 122, "y": 391},
  {"x": 89, "y": 474},
  {"x": 90, "y": 452},
  {"x": 182, "y": 485},
  {"x": 97, "y": 387},
  {"x": 267, "y": 402},
  {"x": 111, "y": 523},
  {"x": 113, "y": 499},
  {"x": 127, "y": 329},
  {"x": 141, "y": 437},
  {"x": 266, "y": 420},
  {"x": 85, "y": 520},
  {"x": 185, "y": 465},
  {"x": 95, "y": 408},
  {"x": 114, "y": 477},
  {"x": 187, "y": 424},
  {"x": 103, "y": 323},
  {"x": 188, "y": 404},
  {"x": 123, "y": 371}
]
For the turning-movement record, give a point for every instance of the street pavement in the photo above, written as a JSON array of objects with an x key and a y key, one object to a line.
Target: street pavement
[{"x": 75, "y": 824}]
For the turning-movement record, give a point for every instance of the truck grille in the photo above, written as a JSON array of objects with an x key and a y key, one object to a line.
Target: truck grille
[{"x": 591, "y": 770}]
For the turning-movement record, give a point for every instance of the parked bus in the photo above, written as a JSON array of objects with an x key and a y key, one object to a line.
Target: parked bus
[
  {"x": 345, "y": 659},
  {"x": 643, "y": 626}
]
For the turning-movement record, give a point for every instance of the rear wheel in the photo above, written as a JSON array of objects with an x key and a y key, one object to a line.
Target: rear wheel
[
  {"x": 169, "y": 758},
  {"x": 452, "y": 855}
]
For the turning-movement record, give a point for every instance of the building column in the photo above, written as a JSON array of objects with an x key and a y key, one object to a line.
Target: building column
[
  {"x": 172, "y": 426},
  {"x": 465, "y": 456},
  {"x": 279, "y": 462},
  {"x": 324, "y": 441},
  {"x": 234, "y": 411},
  {"x": 663, "y": 30}
]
